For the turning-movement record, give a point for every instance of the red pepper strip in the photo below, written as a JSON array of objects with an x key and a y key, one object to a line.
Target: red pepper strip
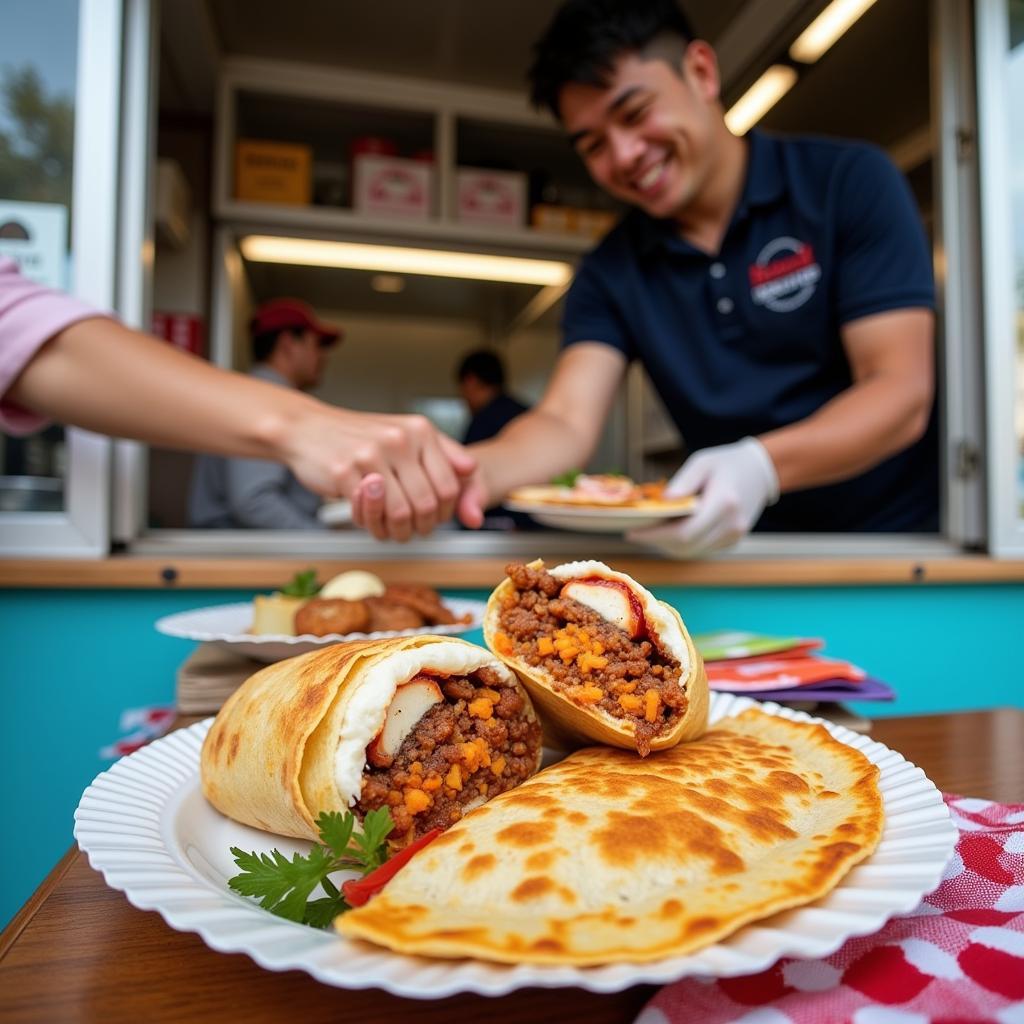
[{"x": 358, "y": 891}]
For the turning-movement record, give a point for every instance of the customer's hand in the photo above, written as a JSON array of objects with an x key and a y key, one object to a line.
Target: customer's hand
[
  {"x": 414, "y": 473},
  {"x": 369, "y": 506},
  {"x": 734, "y": 483}
]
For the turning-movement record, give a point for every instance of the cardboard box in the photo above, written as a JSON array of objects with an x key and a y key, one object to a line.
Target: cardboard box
[
  {"x": 549, "y": 217},
  {"x": 490, "y": 197},
  {"x": 572, "y": 220},
  {"x": 392, "y": 186},
  {"x": 273, "y": 172},
  {"x": 595, "y": 223}
]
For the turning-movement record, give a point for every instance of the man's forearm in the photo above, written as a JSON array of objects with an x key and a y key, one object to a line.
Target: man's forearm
[
  {"x": 532, "y": 449},
  {"x": 859, "y": 428}
]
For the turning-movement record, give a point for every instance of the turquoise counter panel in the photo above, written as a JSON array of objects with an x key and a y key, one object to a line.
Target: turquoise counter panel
[{"x": 72, "y": 660}]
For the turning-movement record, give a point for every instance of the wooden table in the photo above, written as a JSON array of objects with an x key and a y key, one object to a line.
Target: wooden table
[{"x": 78, "y": 951}]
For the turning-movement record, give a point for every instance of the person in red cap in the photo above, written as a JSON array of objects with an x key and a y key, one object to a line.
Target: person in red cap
[
  {"x": 63, "y": 360},
  {"x": 287, "y": 337},
  {"x": 290, "y": 346}
]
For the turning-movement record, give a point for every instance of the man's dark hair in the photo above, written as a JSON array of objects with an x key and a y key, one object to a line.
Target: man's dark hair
[
  {"x": 263, "y": 345},
  {"x": 485, "y": 365},
  {"x": 586, "y": 37}
]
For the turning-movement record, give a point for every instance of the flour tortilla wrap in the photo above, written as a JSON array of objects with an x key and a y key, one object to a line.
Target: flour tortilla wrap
[
  {"x": 607, "y": 858},
  {"x": 292, "y": 741},
  {"x": 570, "y": 721}
]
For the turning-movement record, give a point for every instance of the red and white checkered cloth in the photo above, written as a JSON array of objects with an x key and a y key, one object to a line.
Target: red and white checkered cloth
[{"x": 957, "y": 957}]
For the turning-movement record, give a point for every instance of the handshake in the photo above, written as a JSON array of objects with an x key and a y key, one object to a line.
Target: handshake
[{"x": 403, "y": 477}]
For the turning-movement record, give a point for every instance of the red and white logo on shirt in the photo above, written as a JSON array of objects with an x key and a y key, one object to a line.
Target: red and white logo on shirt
[{"x": 784, "y": 275}]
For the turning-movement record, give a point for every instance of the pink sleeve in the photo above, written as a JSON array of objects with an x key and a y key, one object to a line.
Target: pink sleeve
[{"x": 30, "y": 315}]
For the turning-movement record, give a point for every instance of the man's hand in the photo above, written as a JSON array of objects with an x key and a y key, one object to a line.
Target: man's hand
[
  {"x": 734, "y": 481},
  {"x": 414, "y": 473},
  {"x": 369, "y": 507}
]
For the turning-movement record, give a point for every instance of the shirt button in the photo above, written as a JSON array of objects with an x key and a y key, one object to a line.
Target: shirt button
[
  {"x": 717, "y": 270},
  {"x": 725, "y": 306}
]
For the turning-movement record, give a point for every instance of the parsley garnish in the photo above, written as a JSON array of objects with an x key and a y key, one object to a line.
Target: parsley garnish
[
  {"x": 302, "y": 584},
  {"x": 567, "y": 479},
  {"x": 284, "y": 886}
]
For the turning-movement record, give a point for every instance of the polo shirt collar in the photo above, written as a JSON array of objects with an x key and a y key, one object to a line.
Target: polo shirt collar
[{"x": 764, "y": 184}]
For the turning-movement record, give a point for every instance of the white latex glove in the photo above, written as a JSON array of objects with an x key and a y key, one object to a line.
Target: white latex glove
[{"x": 734, "y": 481}]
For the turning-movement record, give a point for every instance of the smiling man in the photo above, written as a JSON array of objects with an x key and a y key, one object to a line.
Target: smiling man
[{"x": 778, "y": 292}]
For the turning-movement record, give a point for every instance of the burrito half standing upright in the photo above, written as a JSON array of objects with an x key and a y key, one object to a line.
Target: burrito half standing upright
[{"x": 604, "y": 660}]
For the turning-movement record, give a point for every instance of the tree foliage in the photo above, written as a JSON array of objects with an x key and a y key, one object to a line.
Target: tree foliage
[{"x": 36, "y": 148}]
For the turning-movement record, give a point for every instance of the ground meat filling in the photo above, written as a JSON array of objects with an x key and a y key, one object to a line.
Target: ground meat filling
[
  {"x": 589, "y": 659},
  {"x": 470, "y": 747}
]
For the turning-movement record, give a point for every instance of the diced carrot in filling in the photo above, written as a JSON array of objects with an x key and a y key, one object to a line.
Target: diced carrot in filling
[
  {"x": 588, "y": 662},
  {"x": 586, "y": 694},
  {"x": 545, "y": 645},
  {"x": 481, "y": 708},
  {"x": 503, "y": 643},
  {"x": 652, "y": 702},
  {"x": 453, "y": 780},
  {"x": 631, "y": 703},
  {"x": 485, "y": 752},
  {"x": 416, "y": 800},
  {"x": 498, "y": 765}
]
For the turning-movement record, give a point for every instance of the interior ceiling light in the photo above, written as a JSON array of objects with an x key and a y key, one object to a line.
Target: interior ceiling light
[
  {"x": 389, "y": 284},
  {"x": 826, "y": 28},
  {"x": 389, "y": 259},
  {"x": 760, "y": 98}
]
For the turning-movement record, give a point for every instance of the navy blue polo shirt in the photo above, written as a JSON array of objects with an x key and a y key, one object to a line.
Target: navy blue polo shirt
[
  {"x": 492, "y": 418},
  {"x": 748, "y": 339}
]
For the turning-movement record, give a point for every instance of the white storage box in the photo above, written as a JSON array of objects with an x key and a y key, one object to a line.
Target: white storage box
[
  {"x": 392, "y": 186},
  {"x": 490, "y": 197}
]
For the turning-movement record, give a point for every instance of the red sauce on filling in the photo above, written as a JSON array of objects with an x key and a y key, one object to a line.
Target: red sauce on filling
[{"x": 642, "y": 632}]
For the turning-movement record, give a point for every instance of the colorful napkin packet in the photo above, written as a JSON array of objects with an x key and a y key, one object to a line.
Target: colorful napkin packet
[
  {"x": 782, "y": 668},
  {"x": 140, "y": 726}
]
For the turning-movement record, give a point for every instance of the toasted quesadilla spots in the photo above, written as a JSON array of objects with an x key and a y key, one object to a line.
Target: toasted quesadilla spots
[
  {"x": 591, "y": 660},
  {"x": 468, "y": 741}
]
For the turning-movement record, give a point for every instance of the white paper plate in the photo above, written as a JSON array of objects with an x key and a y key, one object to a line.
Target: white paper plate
[
  {"x": 145, "y": 825},
  {"x": 335, "y": 513},
  {"x": 226, "y": 625},
  {"x": 595, "y": 520}
]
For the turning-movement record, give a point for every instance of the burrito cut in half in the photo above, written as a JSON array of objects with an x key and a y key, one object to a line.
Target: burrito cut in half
[
  {"x": 607, "y": 858},
  {"x": 604, "y": 660},
  {"x": 428, "y": 726}
]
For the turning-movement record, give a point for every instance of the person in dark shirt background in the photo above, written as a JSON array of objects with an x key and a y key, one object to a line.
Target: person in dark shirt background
[{"x": 481, "y": 379}]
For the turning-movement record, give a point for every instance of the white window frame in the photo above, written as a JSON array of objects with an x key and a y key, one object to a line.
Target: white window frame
[
  {"x": 966, "y": 514},
  {"x": 82, "y": 529},
  {"x": 1006, "y": 526}
]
